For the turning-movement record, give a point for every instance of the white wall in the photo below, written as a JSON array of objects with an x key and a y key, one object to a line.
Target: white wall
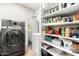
[
  {"x": 16, "y": 12},
  {"x": 38, "y": 16}
]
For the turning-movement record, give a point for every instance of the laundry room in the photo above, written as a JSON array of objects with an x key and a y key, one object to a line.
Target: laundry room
[
  {"x": 39, "y": 29},
  {"x": 18, "y": 22}
]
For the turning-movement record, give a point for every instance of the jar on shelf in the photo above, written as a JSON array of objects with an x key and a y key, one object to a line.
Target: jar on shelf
[
  {"x": 57, "y": 8},
  {"x": 67, "y": 32},
  {"x": 75, "y": 47},
  {"x": 48, "y": 38},
  {"x": 59, "y": 18},
  {"x": 53, "y": 10},
  {"x": 74, "y": 17},
  {"x": 69, "y": 19},
  {"x": 44, "y": 13},
  {"x": 65, "y": 19},
  {"x": 51, "y": 20},
  {"x": 55, "y": 20},
  {"x": 48, "y": 12},
  {"x": 74, "y": 33},
  {"x": 63, "y": 5},
  {"x": 43, "y": 22},
  {"x": 56, "y": 31}
]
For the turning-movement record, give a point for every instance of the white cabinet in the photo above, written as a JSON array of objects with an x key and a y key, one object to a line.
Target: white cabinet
[{"x": 36, "y": 37}]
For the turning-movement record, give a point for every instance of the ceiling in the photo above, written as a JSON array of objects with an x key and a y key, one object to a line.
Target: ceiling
[{"x": 33, "y": 6}]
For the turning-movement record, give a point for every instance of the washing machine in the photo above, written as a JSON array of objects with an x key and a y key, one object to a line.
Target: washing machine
[{"x": 12, "y": 38}]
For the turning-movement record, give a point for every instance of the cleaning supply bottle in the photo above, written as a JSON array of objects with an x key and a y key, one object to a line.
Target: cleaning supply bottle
[
  {"x": 62, "y": 31},
  {"x": 51, "y": 20},
  {"x": 59, "y": 18},
  {"x": 74, "y": 18}
]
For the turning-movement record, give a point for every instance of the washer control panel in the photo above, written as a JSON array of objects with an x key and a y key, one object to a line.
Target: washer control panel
[{"x": 12, "y": 23}]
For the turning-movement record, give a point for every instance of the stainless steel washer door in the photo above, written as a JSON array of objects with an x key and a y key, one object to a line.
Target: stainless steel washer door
[{"x": 13, "y": 37}]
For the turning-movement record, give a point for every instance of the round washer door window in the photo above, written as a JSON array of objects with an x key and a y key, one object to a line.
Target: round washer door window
[{"x": 13, "y": 37}]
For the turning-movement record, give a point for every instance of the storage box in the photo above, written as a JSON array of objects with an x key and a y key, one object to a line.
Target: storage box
[
  {"x": 67, "y": 44},
  {"x": 56, "y": 42}
]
